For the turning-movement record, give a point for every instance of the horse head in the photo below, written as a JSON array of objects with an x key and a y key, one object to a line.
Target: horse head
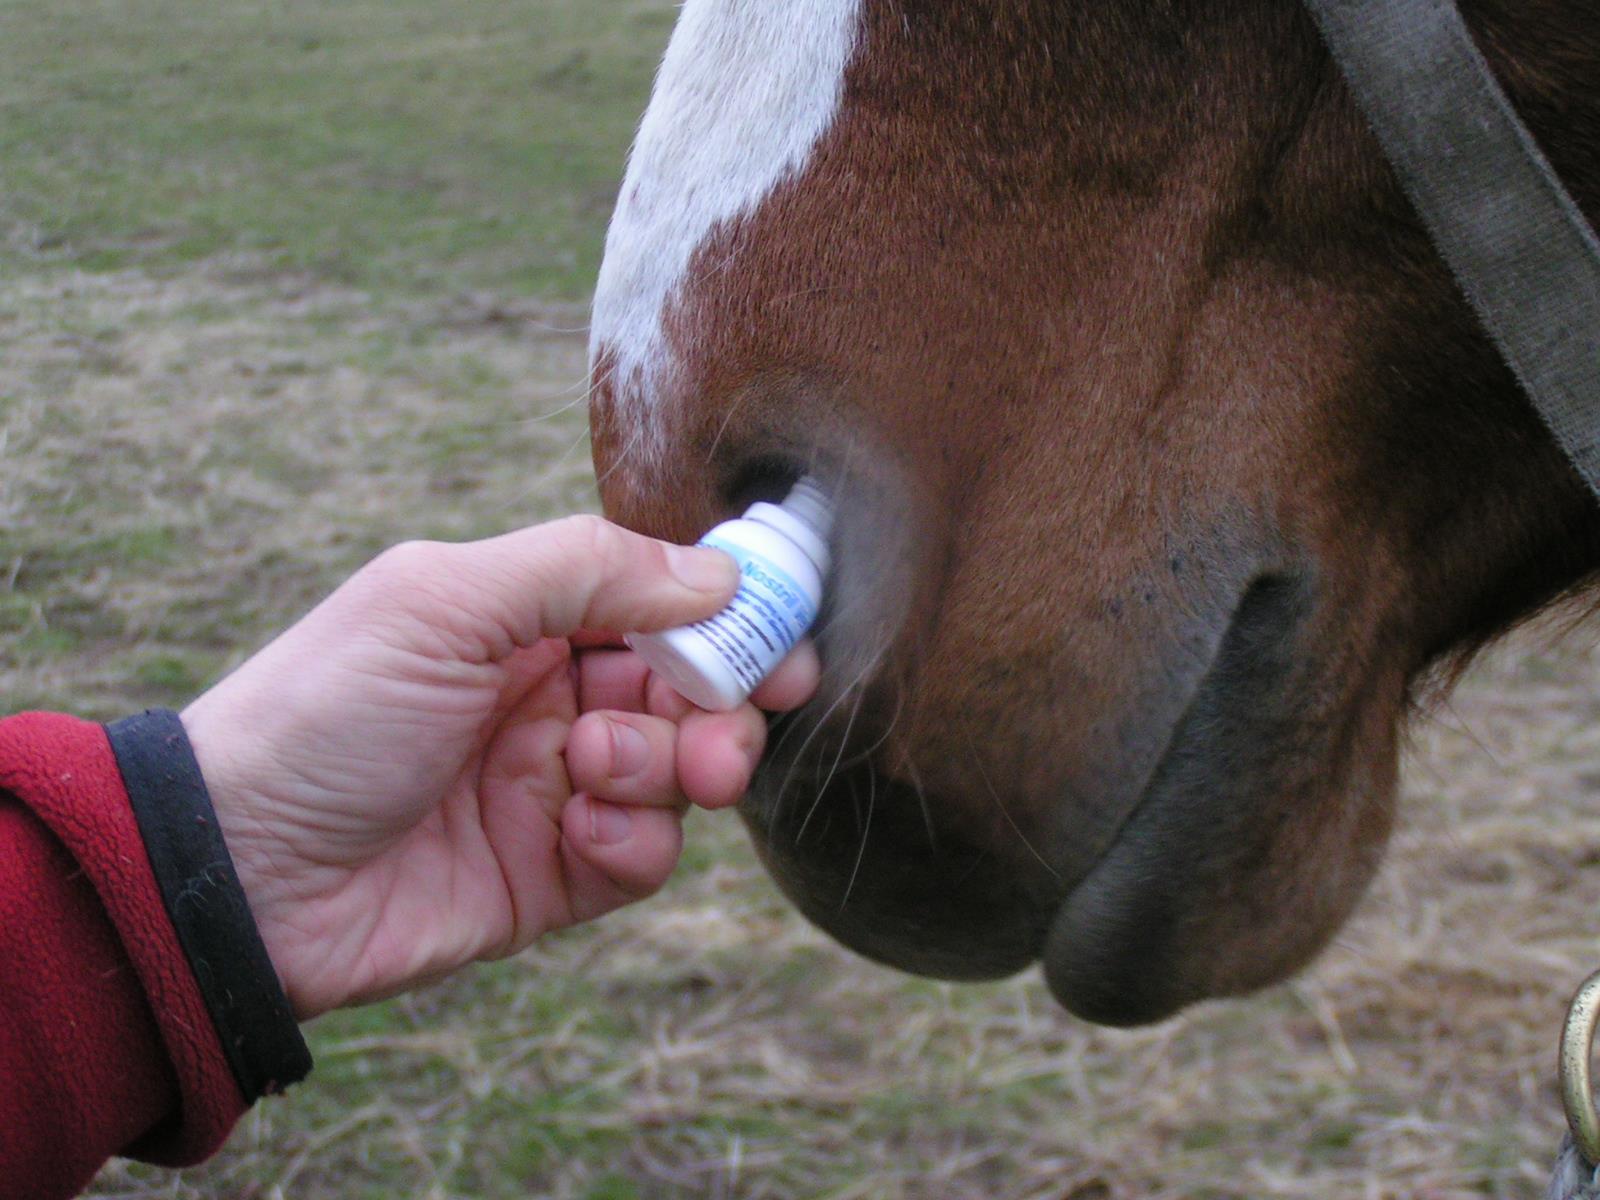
[{"x": 1171, "y": 463}]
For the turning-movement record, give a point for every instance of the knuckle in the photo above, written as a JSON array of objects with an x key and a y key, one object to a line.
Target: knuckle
[
  {"x": 608, "y": 548},
  {"x": 394, "y": 581},
  {"x": 407, "y": 563},
  {"x": 649, "y": 875},
  {"x": 588, "y": 550},
  {"x": 587, "y": 534}
]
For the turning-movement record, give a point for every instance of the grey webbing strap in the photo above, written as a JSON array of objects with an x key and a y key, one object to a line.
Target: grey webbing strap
[
  {"x": 1515, "y": 241},
  {"x": 1573, "y": 1178}
]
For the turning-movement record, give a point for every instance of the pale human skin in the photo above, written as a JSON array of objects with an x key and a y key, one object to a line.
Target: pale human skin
[{"x": 452, "y": 754}]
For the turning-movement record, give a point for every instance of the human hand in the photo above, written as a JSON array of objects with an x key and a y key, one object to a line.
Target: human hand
[{"x": 445, "y": 759}]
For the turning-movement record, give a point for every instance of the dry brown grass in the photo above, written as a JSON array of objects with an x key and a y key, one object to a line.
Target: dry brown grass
[{"x": 189, "y": 461}]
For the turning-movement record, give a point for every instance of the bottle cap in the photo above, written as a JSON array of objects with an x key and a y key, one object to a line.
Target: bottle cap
[
  {"x": 810, "y": 503},
  {"x": 805, "y": 517}
]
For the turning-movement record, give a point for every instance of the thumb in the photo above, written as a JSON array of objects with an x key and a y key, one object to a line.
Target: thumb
[{"x": 576, "y": 573}]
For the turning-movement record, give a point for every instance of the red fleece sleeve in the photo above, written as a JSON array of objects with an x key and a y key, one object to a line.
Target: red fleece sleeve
[{"x": 106, "y": 1046}]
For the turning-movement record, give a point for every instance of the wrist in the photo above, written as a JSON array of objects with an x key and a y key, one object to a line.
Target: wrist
[
  {"x": 206, "y": 902},
  {"x": 238, "y": 802},
  {"x": 224, "y": 775}
]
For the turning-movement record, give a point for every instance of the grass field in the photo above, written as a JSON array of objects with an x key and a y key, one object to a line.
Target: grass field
[{"x": 282, "y": 283}]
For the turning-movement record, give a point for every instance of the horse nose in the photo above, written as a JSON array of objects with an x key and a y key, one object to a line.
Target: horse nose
[
  {"x": 874, "y": 575},
  {"x": 680, "y": 472},
  {"x": 708, "y": 453}
]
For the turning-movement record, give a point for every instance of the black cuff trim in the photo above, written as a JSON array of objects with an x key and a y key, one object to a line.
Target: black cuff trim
[{"x": 207, "y": 904}]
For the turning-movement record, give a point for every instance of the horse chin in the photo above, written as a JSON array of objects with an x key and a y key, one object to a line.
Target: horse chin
[
  {"x": 1258, "y": 832},
  {"x": 1173, "y": 914},
  {"x": 1253, "y": 838},
  {"x": 875, "y": 864}
]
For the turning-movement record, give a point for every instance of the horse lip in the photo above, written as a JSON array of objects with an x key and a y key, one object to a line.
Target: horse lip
[
  {"x": 892, "y": 890},
  {"x": 1116, "y": 953}
]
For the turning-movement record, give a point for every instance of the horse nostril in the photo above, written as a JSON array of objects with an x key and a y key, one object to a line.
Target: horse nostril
[{"x": 768, "y": 477}]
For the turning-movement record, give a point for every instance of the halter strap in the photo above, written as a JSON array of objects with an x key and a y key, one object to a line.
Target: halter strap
[{"x": 1512, "y": 235}]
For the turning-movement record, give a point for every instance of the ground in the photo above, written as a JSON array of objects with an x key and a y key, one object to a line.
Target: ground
[{"x": 283, "y": 284}]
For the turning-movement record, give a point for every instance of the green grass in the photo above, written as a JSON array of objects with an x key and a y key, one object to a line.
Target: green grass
[{"x": 395, "y": 144}]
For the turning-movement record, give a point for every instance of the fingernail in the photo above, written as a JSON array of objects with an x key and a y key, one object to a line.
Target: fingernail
[
  {"x": 630, "y": 750},
  {"x": 702, "y": 569},
  {"x": 608, "y": 824}
]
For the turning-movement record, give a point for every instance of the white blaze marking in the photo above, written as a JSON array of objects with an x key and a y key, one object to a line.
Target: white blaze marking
[{"x": 745, "y": 91}]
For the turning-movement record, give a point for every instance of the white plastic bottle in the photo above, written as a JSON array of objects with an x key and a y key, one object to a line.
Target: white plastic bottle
[{"x": 782, "y": 552}]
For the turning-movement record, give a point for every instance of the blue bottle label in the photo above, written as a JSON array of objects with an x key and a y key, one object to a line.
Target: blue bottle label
[{"x": 768, "y": 615}]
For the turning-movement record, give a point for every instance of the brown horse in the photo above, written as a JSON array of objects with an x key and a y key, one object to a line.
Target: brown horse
[{"x": 1172, "y": 463}]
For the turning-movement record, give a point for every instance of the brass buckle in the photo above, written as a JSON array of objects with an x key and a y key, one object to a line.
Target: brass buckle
[{"x": 1577, "y": 1091}]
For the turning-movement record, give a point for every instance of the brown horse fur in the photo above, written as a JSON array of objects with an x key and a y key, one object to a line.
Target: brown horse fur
[{"x": 1171, "y": 462}]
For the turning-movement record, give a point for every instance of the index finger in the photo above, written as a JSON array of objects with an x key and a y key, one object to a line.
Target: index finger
[{"x": 552, "y": 580}]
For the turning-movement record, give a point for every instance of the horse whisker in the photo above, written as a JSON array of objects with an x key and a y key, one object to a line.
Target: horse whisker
[
  {"x": 581, "y": 392},
  {"x": 828, "y": 712},
  {"x": 922, "y": 800},
  {"x": 844, "y": 740},
  {"x": 627, "y": 453},
  {"x": 888, "y": 731},
  {"x": 723, "y": 428},
  {"x": 866, "y": 830},
  {"x": 999, "y": 804},
  {"x": 856, "y": 685}
]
